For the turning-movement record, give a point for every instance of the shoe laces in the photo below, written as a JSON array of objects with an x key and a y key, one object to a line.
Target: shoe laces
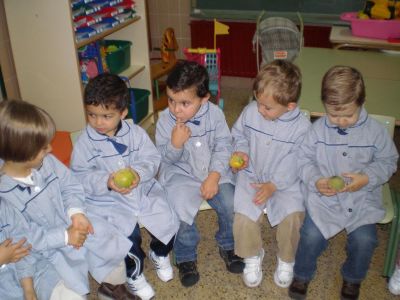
[
  {"x": 188, "y": 266},
  {"x": 252, "y": 264},
  {"x": 284, "y": 267},
  {"x": 138, "y": 283},
  {"x": 161, "y": 262}
]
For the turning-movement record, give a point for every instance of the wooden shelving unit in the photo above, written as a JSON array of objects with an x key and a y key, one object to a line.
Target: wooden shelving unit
[{"x": 46, "y": 60}]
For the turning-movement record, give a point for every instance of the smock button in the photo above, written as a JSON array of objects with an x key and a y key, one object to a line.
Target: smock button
[
  {"x": 350, "y": 210},
  {"x": 198, "y": 144},
  {"x": 344, "y": 153},
  {"x": 36, "y": 189}
]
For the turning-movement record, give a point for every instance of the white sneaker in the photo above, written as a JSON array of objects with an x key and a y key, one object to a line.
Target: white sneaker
[
  {"x": 283, "y": 275},
  {"x": 394, "y": 282},
  {"x": 252, "y": 272},
  {"x": 162, "y": 266},
  {"x": 140, "y": 287}
]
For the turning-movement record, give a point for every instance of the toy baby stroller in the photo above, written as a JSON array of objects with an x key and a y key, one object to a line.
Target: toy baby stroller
[{"x": 278, "y": 38}]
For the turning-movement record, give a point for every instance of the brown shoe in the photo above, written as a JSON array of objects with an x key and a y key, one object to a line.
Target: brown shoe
[
  {"x": 298, "y": 289},
  {"x": 350, "y": 291},
  {"x": 108, "y": 291}
]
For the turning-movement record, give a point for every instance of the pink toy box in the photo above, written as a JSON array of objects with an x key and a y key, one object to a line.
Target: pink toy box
[{"x": 375, "y": 29}]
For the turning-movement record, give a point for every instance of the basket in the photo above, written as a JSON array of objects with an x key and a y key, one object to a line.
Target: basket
[
  {"x": 139, "y": 104},
  {"x": 376, "y": 29},
  {"x": 120, "y": 59}
]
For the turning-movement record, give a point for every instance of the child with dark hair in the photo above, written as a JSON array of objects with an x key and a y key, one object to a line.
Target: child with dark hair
[
  {"x": 266, "y": 137},
  {"x": 108, "y": 144},
  {"x": 41, "y": 200},
  {"x": 350, "y": 144},
  {"x": 195, "y": 144}
]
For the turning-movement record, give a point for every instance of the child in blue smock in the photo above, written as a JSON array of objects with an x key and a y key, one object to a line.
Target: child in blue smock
[
  {"x": 266, "y": 136},
  {"x": 108, "y": 144},
  {"x": 10, "y": 253},
  {"x": 195, "y": 144},
  {"x": 42, "y": 201},
  {"x": 350, "y": 144}
]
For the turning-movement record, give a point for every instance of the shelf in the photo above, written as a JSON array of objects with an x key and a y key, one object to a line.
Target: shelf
[
  {"x": 148, "y": 120},
  {"x": 106, "y": 33},
  {"x": 132, "y": 71}
]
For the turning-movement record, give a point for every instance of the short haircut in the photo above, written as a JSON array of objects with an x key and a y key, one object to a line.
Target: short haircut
[
  {"x": 342, "y": 85},
  {"x": 107, "y": 90},
  {"x": 281, "y": 79},
  {"x": 25, "y": 130},
  {"x": 188, "y": 74}
]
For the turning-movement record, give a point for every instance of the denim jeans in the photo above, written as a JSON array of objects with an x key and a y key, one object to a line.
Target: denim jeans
[
  {"x": 188, "y": 237},
  {"x": 360, "y": 247}
]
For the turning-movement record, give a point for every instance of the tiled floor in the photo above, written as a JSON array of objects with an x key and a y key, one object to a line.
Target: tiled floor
[{"x": 216, "y": 283}]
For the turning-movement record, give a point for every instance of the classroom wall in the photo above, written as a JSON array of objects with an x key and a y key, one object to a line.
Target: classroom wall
[
  {"x": 6, "y": 58},
  {"x": 169, "y": 13}
]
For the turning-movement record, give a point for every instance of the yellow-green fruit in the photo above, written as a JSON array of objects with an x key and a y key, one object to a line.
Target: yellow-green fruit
[
  {"x": 124, "y": 178},
  {"x": 236, "y": 162},
  {"x": 336, "y": 182}
]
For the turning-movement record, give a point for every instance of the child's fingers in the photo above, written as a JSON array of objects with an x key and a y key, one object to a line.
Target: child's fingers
[
  {"x": 90, "y": 228},
  {"x": 20, "y": 243},
  {"x": 7, "y": 242}
]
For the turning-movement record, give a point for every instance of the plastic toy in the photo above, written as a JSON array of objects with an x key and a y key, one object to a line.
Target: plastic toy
[{"x": 211, "y": 59}]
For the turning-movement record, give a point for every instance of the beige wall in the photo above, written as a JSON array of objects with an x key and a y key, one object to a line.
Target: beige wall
[
  {"x": 6, "y": 59},
  {"x": 169, "y": 13}
]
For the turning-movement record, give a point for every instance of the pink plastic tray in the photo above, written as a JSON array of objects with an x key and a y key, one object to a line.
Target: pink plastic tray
[{"x": 376, "y": 29}]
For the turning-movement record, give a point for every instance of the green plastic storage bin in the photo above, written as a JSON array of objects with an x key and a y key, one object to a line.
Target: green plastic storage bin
[
  {"x": 120, "y": 59},
  {"x": 139, "y": 104}
]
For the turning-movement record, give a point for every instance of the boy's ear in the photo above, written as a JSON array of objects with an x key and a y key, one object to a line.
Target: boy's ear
[
  {"x": 205, "y": 98},
  {"x": 291, "y": 106},
  {"x": 124, "y": 113}
]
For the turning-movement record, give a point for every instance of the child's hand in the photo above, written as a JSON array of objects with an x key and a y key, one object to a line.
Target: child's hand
[
  {"x": 245, "y": 158},
  {"x": 76, "y": 237},
  {"x": 80, "y": 222},
  {"x": 27, "y": 287},
  {"x": 10, "y": 253},
  {"x": 180, "y": 134},
  {"x": 358, "y": 181},
  {"x": 111, "y": 184},
  {"x": 264, "y": 192},
  {"x": 209, "y": 187},
  {"x": 324, "y": 188}
]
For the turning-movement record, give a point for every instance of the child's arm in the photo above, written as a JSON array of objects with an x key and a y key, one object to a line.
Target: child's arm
[
  {"x": 83, "y": 166},
  {"x": 264, "y": 192},
  {"x": 147, "y": 159},
  {"x": 27, "y": 286},
  {"x": 12, "y": 252},
  {"x": 222, "y": 150},
  {"x": 307, "y": 165},
  {"x": 71, "y": 189},
  {"x": 220, "y": 155},
  {"x": 381, "y": 167},
  {"x": 209, "y": 187},
  {"x": 286, "y": 173},
  {"x": 169, "y": 153},
  {"x": 240, "y": 134}
]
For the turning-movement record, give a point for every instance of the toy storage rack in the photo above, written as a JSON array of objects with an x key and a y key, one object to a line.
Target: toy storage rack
[{"x": 211, "y": 59}]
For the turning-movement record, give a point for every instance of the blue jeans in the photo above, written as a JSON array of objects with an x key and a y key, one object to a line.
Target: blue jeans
[
  {"x": 187, "y": 238},
  {"x": 360, "y": 247}
]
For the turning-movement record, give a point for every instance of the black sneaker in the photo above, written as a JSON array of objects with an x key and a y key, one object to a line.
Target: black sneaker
[
  {"x": 350, "y": 291},
  {"x": 298, "y": 289},
  {"x": 188, "y": 273},
  {"x": 233, "y": 263}
]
